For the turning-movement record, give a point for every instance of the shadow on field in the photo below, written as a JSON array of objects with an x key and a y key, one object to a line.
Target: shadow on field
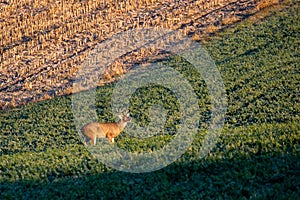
[{"x": 259, "y": 176}]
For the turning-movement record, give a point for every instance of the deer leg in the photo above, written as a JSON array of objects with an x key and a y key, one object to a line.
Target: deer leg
[
  {"x": 92, "y": 141},
  {"x": 95, "y": 139},
  {"x": 110, "y": 138}
]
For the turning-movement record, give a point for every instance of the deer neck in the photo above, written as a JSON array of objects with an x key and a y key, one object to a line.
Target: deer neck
[{"x": 121, "y": 124}]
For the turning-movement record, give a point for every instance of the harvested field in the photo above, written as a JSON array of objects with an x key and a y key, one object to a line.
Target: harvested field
[
  {"x": 43, "y": 43},
  {"x": 255, "y": 48}
]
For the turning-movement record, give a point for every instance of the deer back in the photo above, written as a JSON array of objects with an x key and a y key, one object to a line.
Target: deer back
[
  {"x": 93, "y": 129},
  {"x": 111, "y": 128}
]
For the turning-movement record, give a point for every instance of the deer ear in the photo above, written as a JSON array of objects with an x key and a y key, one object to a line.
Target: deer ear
[{"x": 127, "y": 114}]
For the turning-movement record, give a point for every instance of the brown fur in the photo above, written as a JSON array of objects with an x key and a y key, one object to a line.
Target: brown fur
[{"x": 95, "y": 130}]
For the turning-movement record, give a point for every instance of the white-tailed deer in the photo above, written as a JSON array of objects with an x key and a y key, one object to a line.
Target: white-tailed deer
[{"x": 95, "y": 130}]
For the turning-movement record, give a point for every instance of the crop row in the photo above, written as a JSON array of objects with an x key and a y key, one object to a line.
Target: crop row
[
  {"x": 58, "y": 23},
  {"x": 27, "y": 20},
  {"x": 44, "y": 42}
]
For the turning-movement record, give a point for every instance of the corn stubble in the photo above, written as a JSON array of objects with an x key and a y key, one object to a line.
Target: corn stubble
[{"x": 44, "y": 42}]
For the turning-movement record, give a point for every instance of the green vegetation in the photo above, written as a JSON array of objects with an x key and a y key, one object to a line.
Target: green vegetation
[{"x": 257, "y": 155}]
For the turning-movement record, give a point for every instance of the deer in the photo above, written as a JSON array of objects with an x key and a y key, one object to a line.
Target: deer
[{"x": 108, "y": 130}]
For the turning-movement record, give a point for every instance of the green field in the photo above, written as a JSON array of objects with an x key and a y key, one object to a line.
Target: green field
[{"x": 256, "y": 157}]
